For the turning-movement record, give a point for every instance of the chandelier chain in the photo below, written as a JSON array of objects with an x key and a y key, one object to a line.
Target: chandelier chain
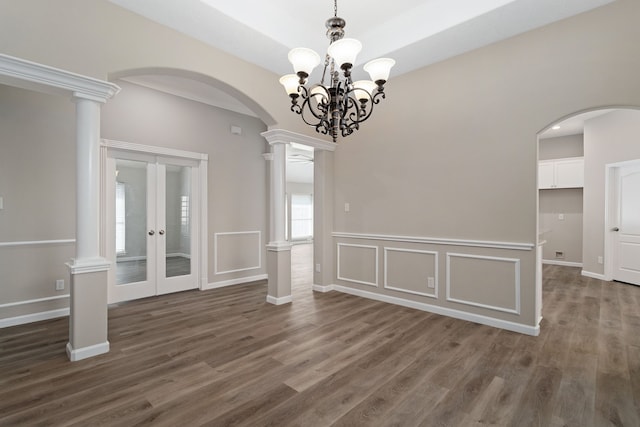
[{"x": 335, "y": 8}]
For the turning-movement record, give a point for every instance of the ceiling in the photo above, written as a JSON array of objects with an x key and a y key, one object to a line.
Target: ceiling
[
  {"x": 573, "y": 125},
  {"x": 416, "y": 33}
]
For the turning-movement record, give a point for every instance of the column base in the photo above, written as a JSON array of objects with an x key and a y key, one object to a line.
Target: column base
[
  {"x": 279, "y": 271},
  {"x": 86, "y": 352}
]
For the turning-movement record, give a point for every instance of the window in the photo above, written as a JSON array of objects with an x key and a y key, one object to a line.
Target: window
[
  {"x": 301, "y": 216},
  {"x": 120, "y": 218},
  {"x": 184, "y": 215}
]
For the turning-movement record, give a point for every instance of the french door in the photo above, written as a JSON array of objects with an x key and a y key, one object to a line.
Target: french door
[{"x": 152, "y": 222}]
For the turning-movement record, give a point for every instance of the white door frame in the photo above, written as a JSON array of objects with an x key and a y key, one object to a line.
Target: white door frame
[
  {"x": 200, "y": 193},
  {"x": 610, "y": 210}
]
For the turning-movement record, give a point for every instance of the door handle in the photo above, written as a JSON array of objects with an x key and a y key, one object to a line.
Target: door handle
[
  {"x": 615, "y": 229},
  {"x": 161, "y": 232},
  {"x": 151, "y": 232}
]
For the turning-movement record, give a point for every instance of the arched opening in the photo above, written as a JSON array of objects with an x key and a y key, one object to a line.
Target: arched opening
[
  {"x": 579, "y": 157},
  {"x": 174, "y": 116}
]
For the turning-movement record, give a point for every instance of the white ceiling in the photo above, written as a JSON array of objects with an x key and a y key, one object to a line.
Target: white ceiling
[
  {"x": 573, "y": 125},
  {"x": 415, "y": 33}
]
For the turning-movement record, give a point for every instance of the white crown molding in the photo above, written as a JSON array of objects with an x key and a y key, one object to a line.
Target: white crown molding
[
  {"x": 282, "y": 136},
  {"x": 150, "y": 149},
  {"x": 437, "y": 241},
  {"x": 30, "y": 75}
]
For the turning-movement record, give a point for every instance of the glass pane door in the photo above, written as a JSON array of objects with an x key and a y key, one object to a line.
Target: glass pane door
[
  {"x": 178, "y": 221},
  {"x": 131, "y": 221}
]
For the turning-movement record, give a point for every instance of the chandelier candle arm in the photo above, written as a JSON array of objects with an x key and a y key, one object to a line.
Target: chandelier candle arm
[{"x": 339, "y": 106}]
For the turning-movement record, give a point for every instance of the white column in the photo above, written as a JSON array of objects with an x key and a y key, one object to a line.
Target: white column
[
  {"x": 88, "y": 180},
  {"x": 88, "y": 303},
  {"x": 278, "y": 191}
]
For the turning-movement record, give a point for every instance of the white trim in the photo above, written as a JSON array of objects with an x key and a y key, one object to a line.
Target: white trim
[
  {"x": 279, "y": 246},
  {"x": 215, "y": 250},
  {"x": 438, "y": 241},
  {"x": 362, "y": 282},
  {"x": 42, "y": 78},
  {"x": 279, "y": 301},
  {"x": 130, "y": 258},
  {"x": 594, "y": 275},
  {"x": 154, "y": 150},
  {"x": 282, "y": 136},
  {"x": 408, "y": 291},
  {"x": 86, "y": 352},
  {"x": 515, "y": 261},
  {"x": 34, "y": 301},
  {"x": 88, "y": 265},
  {"x": 563, "y": 263},
  {"x": 238, "y": 281},
  {"x": 37, "y": 242},
  {"x": 321, "y": 288},
  {"x": 463, "y": 315},
  {"x": 33, "y": 317}
]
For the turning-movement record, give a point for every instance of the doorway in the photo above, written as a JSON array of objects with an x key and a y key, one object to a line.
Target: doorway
[
  {"x": 623, "y": 222},
  {"x": 152, "y": 223}
]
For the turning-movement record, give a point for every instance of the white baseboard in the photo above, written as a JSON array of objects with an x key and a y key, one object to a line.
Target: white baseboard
[
  {"x": 593, "y": 275},
  {"x": 320, "y": 288},
  {"x": 33, "y": 317},
  {"x": 279, "y": 301},
  {"x": 477, "y": 318},
  {"x": 238, "y": 281},
  {"x": 86, "y": 352},
  {"x": 562, "y": 263}
]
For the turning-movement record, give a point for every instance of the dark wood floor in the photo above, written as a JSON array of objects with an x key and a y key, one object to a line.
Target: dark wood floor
[{"x": 225, "y": 357}]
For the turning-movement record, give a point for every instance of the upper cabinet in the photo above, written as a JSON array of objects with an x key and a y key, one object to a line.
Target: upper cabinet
[{"x": 561, "y": 173}]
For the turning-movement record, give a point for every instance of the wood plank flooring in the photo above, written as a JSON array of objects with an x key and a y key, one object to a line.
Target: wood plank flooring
[{"x": 225, "y": 357}]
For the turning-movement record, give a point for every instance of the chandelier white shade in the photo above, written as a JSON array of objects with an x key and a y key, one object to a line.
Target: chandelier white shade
[{"x": 338, "y": 106}]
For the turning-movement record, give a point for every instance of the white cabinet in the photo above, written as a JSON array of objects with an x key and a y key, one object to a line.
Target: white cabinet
[{"x": 561, "y": 173}]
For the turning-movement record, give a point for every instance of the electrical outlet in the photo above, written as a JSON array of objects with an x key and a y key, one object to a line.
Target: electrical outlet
[
  {"x": 600, "y": 260},
  {"x": 561, "y": 217},
  {"x": 60, "y": 285},
  {"x": 431, "y": 282},
  {"x": 317, "y": 268},
  {"x": 347, "y": 207}
]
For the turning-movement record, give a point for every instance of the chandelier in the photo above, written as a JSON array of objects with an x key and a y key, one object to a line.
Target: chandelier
[{"x": 340, "y": 105}]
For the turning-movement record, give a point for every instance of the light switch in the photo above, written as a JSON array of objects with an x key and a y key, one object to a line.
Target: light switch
[
  {"x": 346, "y": 207},
  {"x": 1, "y": 203}
]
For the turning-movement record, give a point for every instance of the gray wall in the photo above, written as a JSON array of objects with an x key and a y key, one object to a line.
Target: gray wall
[
  {"x": 561, "y": 235},
  {"x": 237, "y": 181},
  {"x": 460, "y": 160},
  {"x": 610, "y": 138},
  {"x": 37, "y": 183}
]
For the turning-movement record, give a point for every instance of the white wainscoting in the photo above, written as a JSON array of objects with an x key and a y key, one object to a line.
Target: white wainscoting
[
  {"x": 232, "y": 241},
  {"x": 36, "y": 242},
  {"x": 360, "y": 280},
  {"x": 479, "y": 277},
  {"x": 481, "y": 280},
  {"x": 420, "y": 279}
]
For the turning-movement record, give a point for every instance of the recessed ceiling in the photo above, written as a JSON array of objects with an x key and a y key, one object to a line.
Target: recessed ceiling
[{"x": 415, "y": 33}]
